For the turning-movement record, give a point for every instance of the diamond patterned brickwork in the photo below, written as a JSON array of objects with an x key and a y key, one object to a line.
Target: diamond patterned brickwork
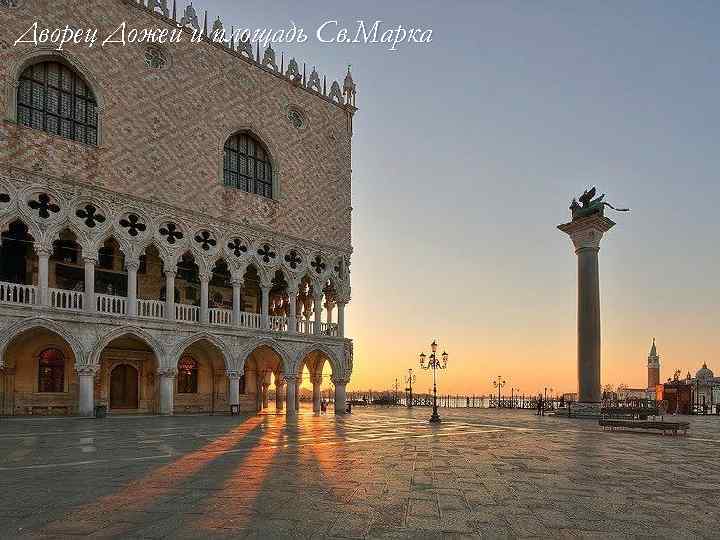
[{"x": 163, "y": 130}]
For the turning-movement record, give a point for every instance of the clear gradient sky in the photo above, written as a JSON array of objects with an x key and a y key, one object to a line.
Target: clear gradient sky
[{"x": 467, "y": 152}]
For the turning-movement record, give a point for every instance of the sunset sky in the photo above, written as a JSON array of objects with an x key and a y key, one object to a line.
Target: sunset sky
[{"x": 467, "y": 152}]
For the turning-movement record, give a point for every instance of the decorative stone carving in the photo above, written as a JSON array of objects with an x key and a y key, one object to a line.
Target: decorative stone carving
[
  {"x": 314, "y": 81},
  {"x": 269, "y": 58},
  {"x": 335, "y": 93}
]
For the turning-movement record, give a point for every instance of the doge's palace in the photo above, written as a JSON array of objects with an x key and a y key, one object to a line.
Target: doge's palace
[{"x": 175, "y": 218}]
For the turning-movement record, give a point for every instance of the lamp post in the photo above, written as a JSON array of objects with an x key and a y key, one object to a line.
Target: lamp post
[
  {"x": 434, "y": 363},
  {"x": 409, "y": 380},
  {"x": 498, "y": 383}
]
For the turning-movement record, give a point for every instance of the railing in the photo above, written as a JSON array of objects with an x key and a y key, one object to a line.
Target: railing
[
  {"x": 220, "y": 316},
  {"x": 187, "y": 313},
  {"x": 279, "y": 324},
  {"x": 69, "y": 300},
  {"x": 250, "y": 320},
  {"x": 329, "y": 329},
  {"x": 305, "y": 326},
  {"x": 15, "y": 293},
  {"x": 151, "y": 309},
  {"x": 113, "y": 305}
]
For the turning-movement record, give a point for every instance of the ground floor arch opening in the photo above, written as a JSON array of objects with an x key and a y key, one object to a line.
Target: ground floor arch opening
[{"x": 201, "y": 382}]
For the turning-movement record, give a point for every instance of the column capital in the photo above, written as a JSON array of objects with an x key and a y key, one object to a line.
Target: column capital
[
  {"x": 204, "y": 277},
  {"x": 233, "y": 374},
  {"x": 87, "y": 370},
  {"x": 316, "y": 379},
  {"x": 90, "y": 259},
  {"x": 171, "y": 272},
  {"x": 236, "y": 278},
  {"x": 132, "y": 264},
  {"x": 587, "y": 232},
  {"x": 338, "y": 381},
  {"x": 41, "y": 250},
  {"x": 290, "y": 379},
  {"x": 169, "y": 373}
]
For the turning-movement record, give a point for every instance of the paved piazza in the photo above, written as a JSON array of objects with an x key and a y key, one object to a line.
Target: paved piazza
[{"x": 377, "y": 473}]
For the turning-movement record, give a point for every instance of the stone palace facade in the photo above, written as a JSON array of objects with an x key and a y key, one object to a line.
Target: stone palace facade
[{"x": 175, "y": 219}]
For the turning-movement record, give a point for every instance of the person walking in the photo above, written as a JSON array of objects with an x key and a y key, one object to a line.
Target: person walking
[{"x": 540, "y": 406}]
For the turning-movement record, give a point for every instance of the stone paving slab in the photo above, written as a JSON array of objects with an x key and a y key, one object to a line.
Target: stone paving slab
[{"x": 378, "y": 473}]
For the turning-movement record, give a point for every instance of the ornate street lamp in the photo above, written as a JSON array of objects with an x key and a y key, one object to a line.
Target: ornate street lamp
[
  {"x": 409, "y": 380},
  {"x": 498, "y": 383},
  {"x": 433, "y": 362}
]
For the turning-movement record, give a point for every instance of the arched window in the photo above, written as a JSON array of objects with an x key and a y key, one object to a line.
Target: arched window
[
  {"x": 54, "y": 98},
  {"x": 51, "y": 371},
  {"x": 247, "y": 165},
  {"x": 187, "y": 381}
]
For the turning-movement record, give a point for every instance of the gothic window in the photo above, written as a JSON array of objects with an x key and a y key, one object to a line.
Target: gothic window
[
  {"x": 54, "y": 98},
  {"x": 247, "y": 165},
  {"x": 155, "y": 58},
  {"x": 51, "y": 371},
  {"x": 187, "y": 380}
]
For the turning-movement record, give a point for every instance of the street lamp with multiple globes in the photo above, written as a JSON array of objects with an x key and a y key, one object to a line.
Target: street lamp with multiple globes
[
  {"x": 433, "y": 362},
  {"x": 409, "y": 380},
  {"x": 498, "y": 383}
]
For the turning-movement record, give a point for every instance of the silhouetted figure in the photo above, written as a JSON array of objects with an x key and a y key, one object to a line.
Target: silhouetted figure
[{"x": 540, "y": 406}]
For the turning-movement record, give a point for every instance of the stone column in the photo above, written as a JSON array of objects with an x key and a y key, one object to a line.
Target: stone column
[
  {"x": 341, "y": 319},
  {"x": 290, "y": 410},
  {"x": 132, "y": 269},
  {"x": 89, "y": 298},
  {"x": 317, "y": 300},
  {"x": 265, "y": 400},
  {"x": 329, "y": 306},
  {"x": 167, "y": 390},
  {"x": 86, "y": 378},
  {"x": 265, "y": 306},
  {"x": 279, "y": 385},
  {"x": 586, "y": 234},
  {"x": 297, "y": 394},
  {"x": 316, "y": 382},
  {"x": 233, "y": 388},
  {"x": 43, "y": 254},
  {"x": 170, "y": 294},
  {"x": 204, "y": 294},
  {"x": 292, "y": 309},
  {"x": 237, "y": 282},
  {"x": 340, "y": 395}
]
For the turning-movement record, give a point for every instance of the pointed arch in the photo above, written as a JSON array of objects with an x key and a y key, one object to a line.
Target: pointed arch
[
  {"x": 11, "y": 217},
  {"x": 285, "y": 356},
  {"x": 219, "y": 344},
  {"x": 20, "y": 327},
  {"x": 264, "y": 141},
  {"x": 336, "y": 363},
  {"x": 135, "y": 331}
]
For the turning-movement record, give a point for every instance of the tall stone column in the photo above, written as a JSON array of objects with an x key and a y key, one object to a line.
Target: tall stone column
[
  {"x": 167, "y": 390},
  {"x": 265, "y": 399},
  {"x": 586, "y": 233},
  {"x": 292, "y": 308},
  {"x": 204, "y": 297},
  {"x": 132, "y": 269},
  {"x": 279, "y": 398},
  {"x": 341, "y": 319},
  {"x": 340, "y": 396},
  {"x": 170, "y": 294},
  {"x": 316, "y": 382},
  {"x": 290, "y": 396},
  {"x": 233, "y": 388},
  {"x": 43, "y": 254},
  {"x": 89, "y": 299},
  {"x": 317, "y": 310},
  {"x": 86, "y": 378},
  {"x": 297, "y": 394},
  {"x": 265, "y": 306},
  {"x": 237, "y": 282}
]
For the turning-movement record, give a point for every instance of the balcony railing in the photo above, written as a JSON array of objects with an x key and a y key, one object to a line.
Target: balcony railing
[
  {"x": 150, "y": 309},
  {"x": 67, "y": 300},
  {"x": 220, "y": 316},
  {"x": 113, "y": 305},
  {"x": 14, "y": 293},
  {"x": 29, "y": 295}
]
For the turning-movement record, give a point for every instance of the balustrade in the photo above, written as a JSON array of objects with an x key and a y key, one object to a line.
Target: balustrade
[
  {"x": 250, "y": 320},
  {"x": 306, "y": 326},
  {"x": 220, "y": 316},
  {"x": 66, "y": 300},
  {"x": 113, "y": 305},
  {"x": 187, "y": 313},
  {"x": 15, "y": 293},
  {"x": 329, "y": 329},
  {"x": 151, "y": 309},
  {"x": 279, "y": 324}
]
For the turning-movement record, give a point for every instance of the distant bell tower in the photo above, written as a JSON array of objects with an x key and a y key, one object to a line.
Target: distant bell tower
[{"x": 653, "y": 367}]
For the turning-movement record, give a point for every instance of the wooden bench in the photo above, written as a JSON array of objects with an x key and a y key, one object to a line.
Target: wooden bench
[{"x": 660, "y": 425}]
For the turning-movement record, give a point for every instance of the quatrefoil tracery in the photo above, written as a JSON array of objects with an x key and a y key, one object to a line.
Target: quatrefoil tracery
[
  {"x": 44, "y": 206},
  {"x": 237, "y": 247},
  {"x": 205, "y": 239},
  {"x": 90, "y": 216},
  {"x": 4, "y": 198},
  {"x": 266, "y": 253},
  {"x": 318, "y": 264},
  {"x": 133, "y": 225},
  {"x": 293, "y": 259},
  {"x": 171, "y": 233}
]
